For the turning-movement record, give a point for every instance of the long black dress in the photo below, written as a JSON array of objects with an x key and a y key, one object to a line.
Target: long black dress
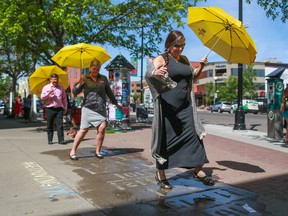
[{"x": 180, "y": 145}]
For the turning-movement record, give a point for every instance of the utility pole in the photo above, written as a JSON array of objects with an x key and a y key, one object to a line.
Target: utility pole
[
  {"x": 141, "y": 76},
  {"x": 240, "y": 114}
]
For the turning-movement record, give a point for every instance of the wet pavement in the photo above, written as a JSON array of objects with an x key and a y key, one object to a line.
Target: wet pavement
[
  {"x": 124, "y": 184},
  {"x": 40, "y": 179}
]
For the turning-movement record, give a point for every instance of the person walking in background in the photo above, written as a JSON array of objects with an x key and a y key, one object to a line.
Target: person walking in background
[
  {"x": 56, "y": 105},
  {"x": 17, "y": 107},
  {"x": 284, "y": 110},
  {"x": 93, "y": 112},
  {"x": 177, "y": 139},
  {"x": 70, "y": 122},
  {"x": 27, "y": 108}
]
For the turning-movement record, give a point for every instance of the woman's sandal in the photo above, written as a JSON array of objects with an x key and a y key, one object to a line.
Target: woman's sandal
[
  {"x": 205, "y": 179},
  {"x": 163, "y": 183}
]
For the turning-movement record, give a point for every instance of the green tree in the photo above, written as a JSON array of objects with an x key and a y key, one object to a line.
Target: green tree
[
  {"x": 210, "y": 90},
  {"x": 35, "y": 30},
  {"x": 14, "y": 62},
  {"x": 135, "y": 98},
  {"x": 249, "y": 88},
  {"x": 227, "y": 91},
  {"x": 46, "y": 26},
  {"x": 31, "y": 31},
  {"x": 5, "y": 86}
]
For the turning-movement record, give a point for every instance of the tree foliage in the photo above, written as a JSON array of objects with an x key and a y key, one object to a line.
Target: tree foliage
[
  {"x": 274, "y": 8},
  {"x": 32, "y": 31},
  {"x": 229, "y": 91},
  {"x": 5, "y": 86},
  {"x": 209, "y": 90},
  {"x": 249, "y": 88},
  {"x": 14, "y": 62},
  {"x": 47, "y": 26}
]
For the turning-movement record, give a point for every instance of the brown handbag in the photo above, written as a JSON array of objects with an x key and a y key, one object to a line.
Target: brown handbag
[{"x": 72, "y": 132}]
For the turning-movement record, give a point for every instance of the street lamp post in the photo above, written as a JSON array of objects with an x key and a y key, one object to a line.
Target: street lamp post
[
  {"x": 240, "y": 114},
  {"x": 215, "y": 94}
]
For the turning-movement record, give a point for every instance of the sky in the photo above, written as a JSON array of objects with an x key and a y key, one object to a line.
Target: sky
[{"x": 270, "y": 36}]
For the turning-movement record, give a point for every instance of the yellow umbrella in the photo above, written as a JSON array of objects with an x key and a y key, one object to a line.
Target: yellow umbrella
[
  {"x": 222, "y": 33},
  {"x": 80, "y": 55},
  {"x": 41, "y": 77}
]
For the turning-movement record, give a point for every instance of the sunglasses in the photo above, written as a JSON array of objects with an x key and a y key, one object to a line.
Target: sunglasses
[{"x": 179, "y": 45}]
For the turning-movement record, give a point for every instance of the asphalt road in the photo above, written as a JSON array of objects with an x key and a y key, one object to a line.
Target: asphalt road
[{"x": 256, "y": 122}]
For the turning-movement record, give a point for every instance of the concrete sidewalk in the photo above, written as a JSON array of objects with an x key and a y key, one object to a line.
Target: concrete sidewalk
[{"x": 40, "y": 179}]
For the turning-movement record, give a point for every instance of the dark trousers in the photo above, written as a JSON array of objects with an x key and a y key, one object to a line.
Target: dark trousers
[
  {"x": 51, "y": 115},
  {"x": 26, "y": 112}
]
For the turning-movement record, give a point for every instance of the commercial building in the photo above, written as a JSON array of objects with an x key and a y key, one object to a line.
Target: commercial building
[
  {"x": 219, "y": 72},
  {"x": 135, "y": 89}
]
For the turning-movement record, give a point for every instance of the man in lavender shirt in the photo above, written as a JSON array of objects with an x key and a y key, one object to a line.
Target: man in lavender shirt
[{"x": 56, "y": 105}]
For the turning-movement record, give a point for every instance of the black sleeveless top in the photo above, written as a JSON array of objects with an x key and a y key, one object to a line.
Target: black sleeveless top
[{"x": 179, "y": 71}]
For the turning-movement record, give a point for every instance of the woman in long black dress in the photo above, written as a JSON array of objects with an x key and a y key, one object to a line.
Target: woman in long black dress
[{"x": 177, "y": 132}]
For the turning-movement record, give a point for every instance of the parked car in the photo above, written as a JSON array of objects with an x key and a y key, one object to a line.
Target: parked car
[
  {"x": 221, "y": 106},
  {"x": 249, "y": 106},
  {"x": 2, "y": 107}
]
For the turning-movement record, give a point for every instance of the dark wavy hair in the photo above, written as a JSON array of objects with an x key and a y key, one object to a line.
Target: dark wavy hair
[{"x": 171, "y": 40}]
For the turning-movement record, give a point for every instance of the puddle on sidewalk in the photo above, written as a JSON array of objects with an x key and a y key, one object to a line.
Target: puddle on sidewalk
[{"x": 123, "y": 183}]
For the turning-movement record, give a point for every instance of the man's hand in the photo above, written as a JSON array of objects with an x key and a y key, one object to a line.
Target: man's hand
[{"x": 51, "y": 91}]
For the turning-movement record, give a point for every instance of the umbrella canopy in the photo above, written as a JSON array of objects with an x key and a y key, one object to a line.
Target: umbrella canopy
[
  {"x": 41, "y": 77},
  {"x": 222, "y": 33},
  {"x": 80, "y": 55}
]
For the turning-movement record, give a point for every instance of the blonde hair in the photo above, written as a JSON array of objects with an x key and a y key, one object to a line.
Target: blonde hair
[{"x": 95, "y": 62}]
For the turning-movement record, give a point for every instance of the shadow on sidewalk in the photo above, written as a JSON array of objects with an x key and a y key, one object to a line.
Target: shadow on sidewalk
[
  {"x": 241, "y": 166},
  {"x": 272, "y": 192},
  {"x": 90, "y": 152},
  {"x": 10, "y": 123}
]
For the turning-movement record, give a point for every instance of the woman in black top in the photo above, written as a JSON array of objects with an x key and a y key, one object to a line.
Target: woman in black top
[
  {"x": 93, "y": 113},
  {"x": 177, "y": 132}
]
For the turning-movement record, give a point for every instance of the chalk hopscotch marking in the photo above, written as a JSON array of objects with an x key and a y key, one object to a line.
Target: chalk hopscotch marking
[
  {"x": 51, "y": 185},
  {"x": 90, "y": 171},
  {"x": 129, "y": 180}
]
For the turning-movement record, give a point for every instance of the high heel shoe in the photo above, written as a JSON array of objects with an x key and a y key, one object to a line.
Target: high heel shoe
[
  {"x": 163, "y": 183},
  {"x": 73, "y": 157},
  {"x": 99, "y": 156}
]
